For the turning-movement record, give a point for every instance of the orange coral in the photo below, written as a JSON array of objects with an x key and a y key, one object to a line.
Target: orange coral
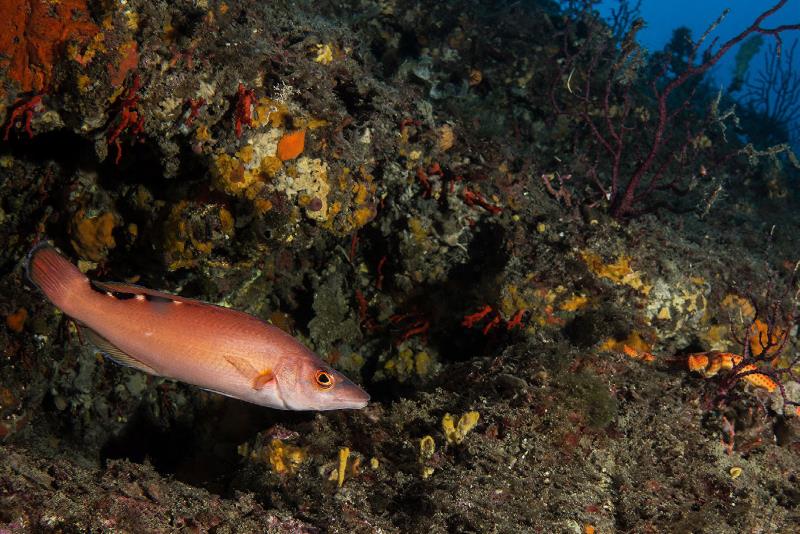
[
  {"x": 710, "y": 363},
  {"x": 760, "y": 336},
  {"x": 128, "y": 61},
  {"x": 291, "y": 145},
  {"x": 634, "y": 346},
  {"x": 283, "y": 457},
  {"x": 16, "y": 320},
  {"x": 92, "y": 236},
  {"x": 34, "y": 33},
  {"x": 636, "y": 354},
  {"x": 702, "y": 364}
]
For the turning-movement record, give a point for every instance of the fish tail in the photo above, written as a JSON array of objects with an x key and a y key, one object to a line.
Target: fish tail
[{"x": 51, "y": 272}]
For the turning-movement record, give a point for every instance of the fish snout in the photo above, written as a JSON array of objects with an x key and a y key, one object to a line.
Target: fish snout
[{"x": 350, "y": 396}]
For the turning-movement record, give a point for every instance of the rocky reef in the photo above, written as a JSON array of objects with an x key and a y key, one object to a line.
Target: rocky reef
[{"x": 414, "y": 191}]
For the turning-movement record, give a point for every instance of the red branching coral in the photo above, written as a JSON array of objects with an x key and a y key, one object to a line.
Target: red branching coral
[
  {"x": 637, "y": 145},
  {"x": 130, "y": 118}
]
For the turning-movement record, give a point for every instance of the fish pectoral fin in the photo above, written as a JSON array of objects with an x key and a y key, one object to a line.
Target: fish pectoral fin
[
  {"x": 258, "y": 379},
  {"x": 263, "y": 378},
  {"x": 244, "y": 367},
  {"x": 116, "y": 354}
]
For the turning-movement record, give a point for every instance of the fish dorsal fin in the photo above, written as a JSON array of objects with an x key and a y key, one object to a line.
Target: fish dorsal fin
[
  {"x": 163, "y": 302},
  {"x": 126, "y": 291},
  {"x": 113, "y": 352},
  {"x": 258, "y": 379}
]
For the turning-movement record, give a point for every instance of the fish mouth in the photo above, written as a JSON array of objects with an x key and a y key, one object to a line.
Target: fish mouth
[
  {"x": 350, "y": 397},
  {"x": 360, "y": 399}
]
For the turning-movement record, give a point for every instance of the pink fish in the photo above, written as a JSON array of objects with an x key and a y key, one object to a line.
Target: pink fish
[{"x": 216, "y": 348}]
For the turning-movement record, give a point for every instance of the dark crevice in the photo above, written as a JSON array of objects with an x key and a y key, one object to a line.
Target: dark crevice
[
  {"x": 70, "y": 150},
  {"x": 359, "y": 106},
  {"x": 467, "y": 287},
  {"x": 200, "y": 451}
]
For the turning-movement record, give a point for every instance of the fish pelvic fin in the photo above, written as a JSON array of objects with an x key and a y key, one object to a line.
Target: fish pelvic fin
[
  {"x": 116, "y": 354},
  {"x": 258, "y": 379}
]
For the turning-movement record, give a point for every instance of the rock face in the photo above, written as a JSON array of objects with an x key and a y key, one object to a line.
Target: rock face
[
  {"x": 56, "y": 495},
  {"x": 415, "y": 191}
]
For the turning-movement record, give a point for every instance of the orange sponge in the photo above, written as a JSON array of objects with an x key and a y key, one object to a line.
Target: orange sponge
[{"x": 291, "y": 145}]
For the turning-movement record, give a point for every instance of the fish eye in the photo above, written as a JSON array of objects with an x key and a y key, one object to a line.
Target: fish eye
[{"x": 324, "y": 379}]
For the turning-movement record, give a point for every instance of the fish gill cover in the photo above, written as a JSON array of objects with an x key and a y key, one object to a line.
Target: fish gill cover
[{"x": 562, "y": 264}]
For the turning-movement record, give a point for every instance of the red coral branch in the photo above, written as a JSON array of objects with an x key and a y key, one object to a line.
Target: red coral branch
[
  {"x": 609, "y": 115},
  {"x": 129, "y": 119},
  {"x": 475, "y": 198},
  {"x": 23, "y": 109},
  {"x": 194, "y": 110},
  {"x": 623, "y": 205},
  {"x": 243, "y": 115}
]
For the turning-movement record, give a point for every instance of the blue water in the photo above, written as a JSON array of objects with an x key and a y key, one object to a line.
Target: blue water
[{"x": 663, "y": 17}]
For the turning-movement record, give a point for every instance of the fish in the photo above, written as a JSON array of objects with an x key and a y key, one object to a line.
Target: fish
[{"x": 215, "y": 348}]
